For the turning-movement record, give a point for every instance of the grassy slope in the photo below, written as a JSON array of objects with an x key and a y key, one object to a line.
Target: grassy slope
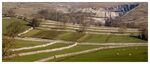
[
  {"x": 74, "y": 36},
  {"x": 44, "y": 55},
  {"x": 50, "y": 34},
  {"x": 47, "y": 34},
  {"x": 138, "y": 54},
  {"x": 57, "y": 45},
  {"x": 112, "y": 38},
  {"x": 6, "y": 22},
  {"x": 31, "y": 33},
  {"x": 23, "y": 43}
]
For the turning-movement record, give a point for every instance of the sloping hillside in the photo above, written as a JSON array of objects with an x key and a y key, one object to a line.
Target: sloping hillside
[
  {"x": 28, "y": 9},
  {"x": 137, "y": 16}
]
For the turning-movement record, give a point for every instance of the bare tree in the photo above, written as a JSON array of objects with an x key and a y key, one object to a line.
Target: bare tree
[
  {"x": 10, "y": 12},
  {"x": 14, "y": 28},
  {"x": 8, "y": 40},
  {"x": 35, "y": 23},
  {"x": 122, "y": 28},
  {"x": 43, "y": 13},
  {"x": 144, "y": 31},
  {"x": 82, "y": 23},
  {"x": 7, "y": 44},
  {"x": 65, "y": 19},
  {"x": 84, "y": 19}
]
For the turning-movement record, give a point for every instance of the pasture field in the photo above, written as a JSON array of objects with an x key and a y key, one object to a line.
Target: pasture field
[
  {"x": 134, "y": 54},
  {"x": 74, "y": 36},
  {"x": 112, "y": 39},
  {"x": 57, "y": 45},
  {"x": 35, "y": 57},
  {"x": 24, "y": 43}
]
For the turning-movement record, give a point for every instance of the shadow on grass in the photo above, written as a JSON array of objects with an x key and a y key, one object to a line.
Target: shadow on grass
[{"x": 138, "y": 37}]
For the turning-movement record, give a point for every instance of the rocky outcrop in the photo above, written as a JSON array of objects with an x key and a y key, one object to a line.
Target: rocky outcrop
[
  {"x": 122, "y": 9},
  {"x": 132, "y": 18}
]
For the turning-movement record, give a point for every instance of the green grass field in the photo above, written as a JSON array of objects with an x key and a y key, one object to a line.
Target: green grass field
[
  {"x": 46, "y": 34},
  {"x": 125, "y": 54},
  {"x": 57, "y": 45},
  {"x": 74, "y": 36},
  {"x": 34, "y": 57},
  {"x": 31, "y": 33},
  {"x": 6, "y": 22},
  {"x": 51, "y": 34},
  {"x": 112, "y": 39},
  {"x": 138, "y": 54},
  {"x": 71, "y": 36},
  {"x": 24, "y": 43}
]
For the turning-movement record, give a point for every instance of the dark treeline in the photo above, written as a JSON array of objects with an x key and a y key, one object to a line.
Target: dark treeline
[{"x": 75, "y": 17}]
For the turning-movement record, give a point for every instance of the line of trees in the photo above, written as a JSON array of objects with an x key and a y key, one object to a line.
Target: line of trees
[
  {"x": 118, "y": 22},
  {"x": 78, "y": 18},
  {"x": 9, "y": 13}
]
